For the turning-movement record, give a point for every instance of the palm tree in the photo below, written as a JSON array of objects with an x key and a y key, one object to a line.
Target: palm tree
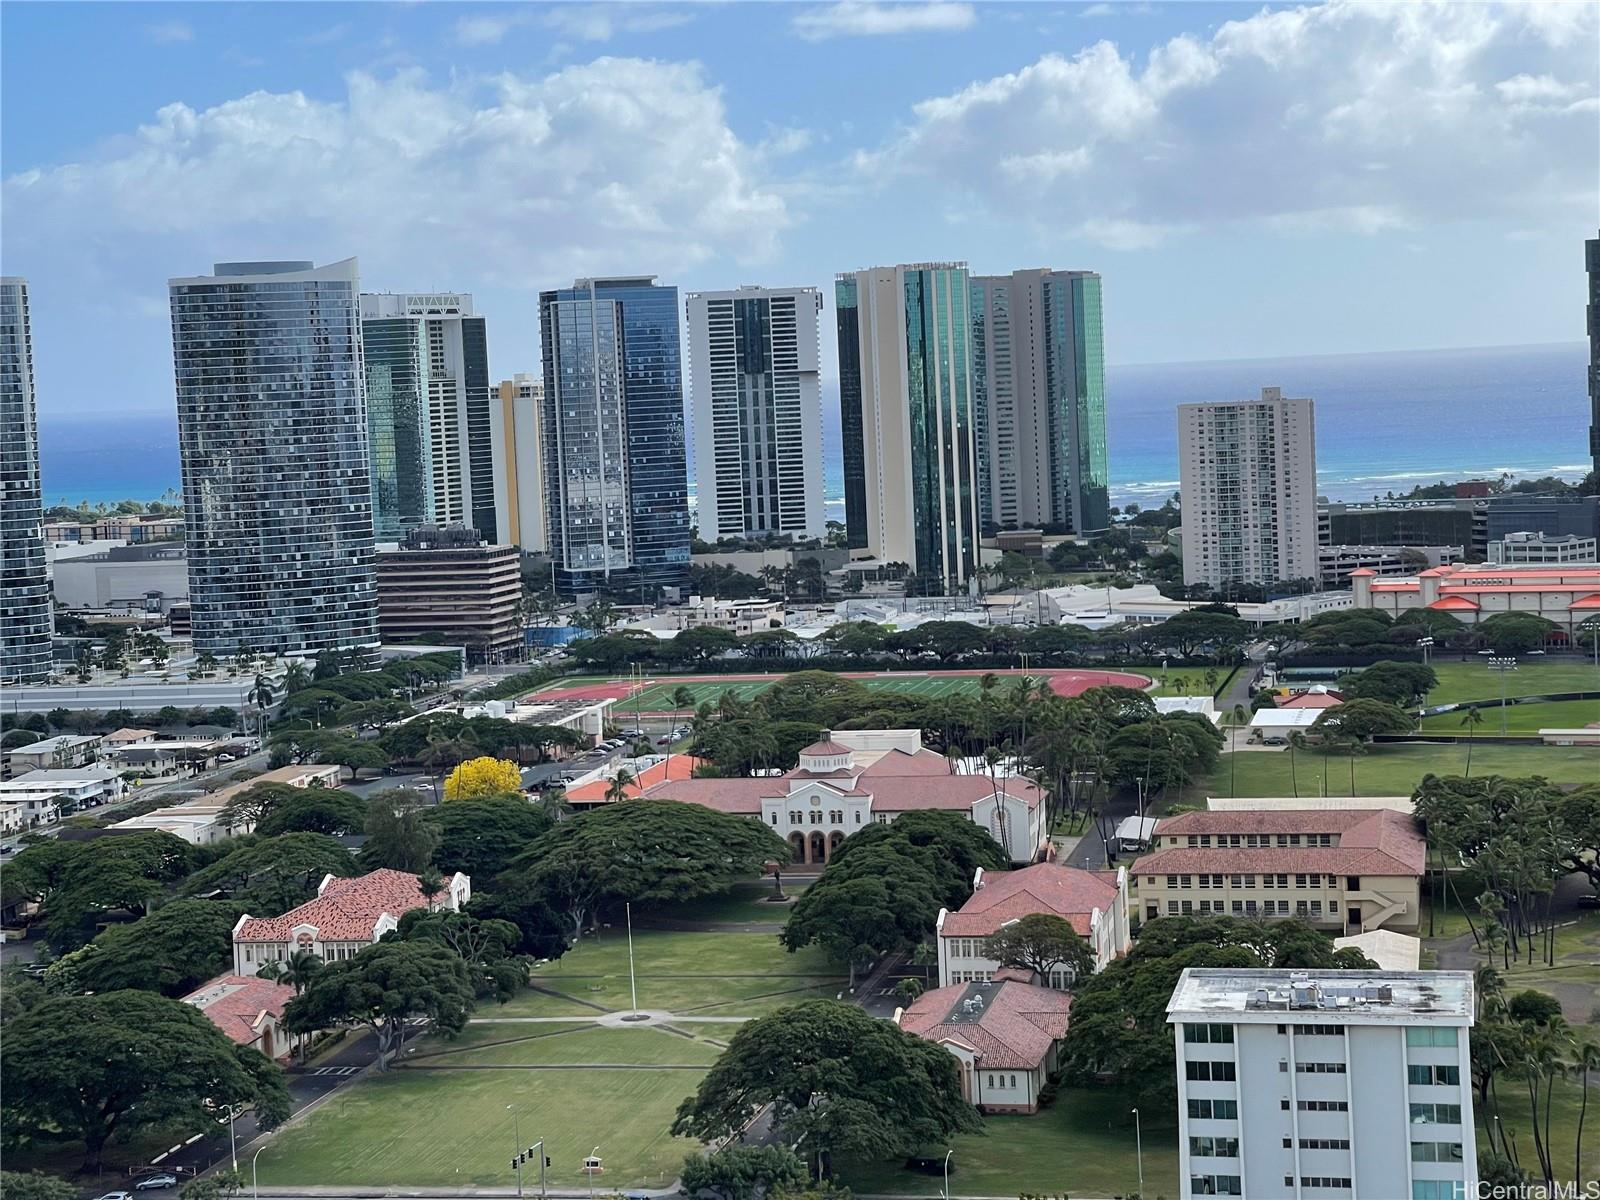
[
  {"x": 300, "y": 970},
  {"x": 554, "y": 801},
  {"x": 205, "y": 663},
  {"x": 953, "y": 756},
  {"x": 1241, "y": 717},
  {"x": 261, "y": 696},
  {"x": 1470, "y": 720},
  {"x": 296, "y": 678},
  {"x": 617, "y": 789},
  {"x": 1586, "y": 1058},
  {"x": 991, "y": 758},
  {"x": 1297, "y": 741},
  {"x": 682, "y": 698}
]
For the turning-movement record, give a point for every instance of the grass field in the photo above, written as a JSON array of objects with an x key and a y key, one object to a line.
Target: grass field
[
  {"x": 1520, "y": 718},
  {"x": 1460, "y": 681},
  {"x": 1389, "y": 770},
  {"x": 745, "y": 903},
  {"x": 560, "y": 1045},
  {"x": 1083, "y": 1144}
]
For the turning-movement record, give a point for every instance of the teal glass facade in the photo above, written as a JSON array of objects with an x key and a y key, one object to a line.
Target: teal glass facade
[
  {"x": 1077, "y": 389},
  {"x": 395, "y": 351},
  {"x": 25, "y": 602}
]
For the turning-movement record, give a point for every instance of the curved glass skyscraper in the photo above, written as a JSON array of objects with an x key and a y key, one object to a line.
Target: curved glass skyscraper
[
  {"x": 272, "y": 431},
  {"x": 25, "y": 621}
]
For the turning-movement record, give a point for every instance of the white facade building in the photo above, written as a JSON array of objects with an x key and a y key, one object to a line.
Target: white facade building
[
  {"x": 756, "y": 404},
  {"x": 1539, "y": 549},
  {"x": 1248, "y": 477},
  {"x": 517, "y": 432},
  {"x": 69, "y": 788},
  {"x": 1349, "y": 1085}
]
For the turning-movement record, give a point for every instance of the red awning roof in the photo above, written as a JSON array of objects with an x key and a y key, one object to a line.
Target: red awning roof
[
  {"x": 1587, "y": 602},
  {"x": 1454, "y": 603}
]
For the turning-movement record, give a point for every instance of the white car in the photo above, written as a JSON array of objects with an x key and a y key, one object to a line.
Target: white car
[
  {"x": 151, "y": 1183},
  {"x": 116, "y": 1196}
]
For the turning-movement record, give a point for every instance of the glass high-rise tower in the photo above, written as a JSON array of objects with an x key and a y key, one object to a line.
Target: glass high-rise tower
[
  {"x": 1039, "y": 375},
  {"x": 911, "y": 465},
  {"x": 25, "y": 615},
  {"x": 272, "y": 431},
  {"x": 1591, "y": 249},
  {"x": 428, "y": 413},
  {"x": 616, "y": 479}
]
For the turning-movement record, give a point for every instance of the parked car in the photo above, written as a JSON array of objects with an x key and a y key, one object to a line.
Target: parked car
[
  {"x": 1588, "y": 900},
  {"x": 1275, "y": 741},
  {"x": 116, "y": 1196},
  {"x": 152, "y": 1183}
]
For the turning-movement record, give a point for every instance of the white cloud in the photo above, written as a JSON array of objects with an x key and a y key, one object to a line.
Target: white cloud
[
  {"x": 617, "y": 164},
  {"x": 868, "y": 18},
  {"x": 1343, "y": 116},
  {"x": 584, "y": 22},
  {"x": 168, "y": 32}
]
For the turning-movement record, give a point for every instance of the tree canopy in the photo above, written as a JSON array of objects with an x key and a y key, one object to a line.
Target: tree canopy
[
  {"x": 273, "y": 874},
  {"x": 315, "y": 810},
  {"x": 172, "y": 951},
  {"x": 397, "y": 835},
  {"x": 78, "y": 882},
  {"x": 120, "y": 1062},
  {"x": 1041, "y": 942},
  {"x": 480, "y": 837},
  {"x": 1395, "y": 683},
  {"x": 483, "y": 776},
  {"x": 846, "y": 1081},
  {"x": 656, "y": 851}
]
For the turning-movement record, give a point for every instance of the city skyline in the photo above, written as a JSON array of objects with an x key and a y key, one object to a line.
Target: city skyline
[{"x": 798, "y": 192}]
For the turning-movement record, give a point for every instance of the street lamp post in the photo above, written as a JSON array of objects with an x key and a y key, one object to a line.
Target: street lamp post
[
  {"x": 1502, "y": 665},
  {"x": 254, "y": 1194},
  {"x": 516, "y": 1145},
  {"x": 1426, "y": 644},
  {"x": 1138, "y": 1143},
  {"x": 947, "y": 1155}
]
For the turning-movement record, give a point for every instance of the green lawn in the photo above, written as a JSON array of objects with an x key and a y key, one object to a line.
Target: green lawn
[
  {"x": 1473, "y": 680},
  {"x": 452, "y": 1128},
  {"x": 1519, "y": 718},
  {"x": 547, "y": 1045},
  {"x": 744, "y": 903},
  {"x": 1178, "y": 681},
  {"x": 1083, "y": 1144},
  {"x": 1517, "y": 1117},
  {"x": 1389, "y": 770}
]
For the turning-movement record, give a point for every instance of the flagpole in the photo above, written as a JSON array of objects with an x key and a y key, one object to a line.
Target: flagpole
[{"x": 633, "y": 983}]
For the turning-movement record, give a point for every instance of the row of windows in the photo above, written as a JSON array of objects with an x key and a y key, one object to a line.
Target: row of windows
[
  {"x": 1318, "y": 1143},
  {"x": 1315, "y": 1068},
  {"x": 1247, "y": 881},
  {"x": 1436, "y": 1073},
  {"x": 1314, "y": 1030},
  {"x": 835, "y": 817},
  {"x": 1438, "y": 1189},
  {"x": 1436, "y": 1114},
  {"x": 1248, "y": 907},
  {"x": 1213, "y": 1110},
  {"x": 990, "y": 1082},
  {"x": 1220, "y": 1035},
  {"x": 971, "y": 976},
  {"x": 1318, "y": 1181},
  {"x": 1317, "y": 1105},
  {"x": 1436, "y": 1152},
  {"x": 1215, "y": 1185},
  {"x": 1257, "y": 841},
  {"x": 1222, "y": 1072},
  {"x": 1431, "y": 1035},
  {"x": 1214, "y": 1147}
]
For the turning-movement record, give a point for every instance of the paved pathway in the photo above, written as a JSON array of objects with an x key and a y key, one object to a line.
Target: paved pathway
[{"x": 613, "y": 1020}]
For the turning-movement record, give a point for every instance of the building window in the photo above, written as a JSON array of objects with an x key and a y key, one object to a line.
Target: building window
[
  {"x": 1321, "y": 1105},
  {"x": 1172, "y": 908},
  {"x": 1214, "y": 1070},
  {"x": 1437, "y": 1189},
  {"x": 991, "y": 1081},
  {"x": 1431, "y": 1035},
  {"x": 1436, "y": 1152},
  {"x": 1013, "y": 1081},
  {"x": 858, "y": 817},
  {"x": 1324, "y": 1181},
  {"x": 1214, "y": 1147},
  {"x": 1216, "y": 1035},
  {"x": 1436, "y": 1114},
  {"x": 1424, "y": 1074},
  {"x": 1324, "y": 1143},
  {"x": 1215, "y": 1185},
  {"x": 774, "y": 818},
  {"x": 1213, "y": 1110}
]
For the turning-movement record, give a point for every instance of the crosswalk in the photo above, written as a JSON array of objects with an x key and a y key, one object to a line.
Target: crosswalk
[{"x": 340, "y": 1071}]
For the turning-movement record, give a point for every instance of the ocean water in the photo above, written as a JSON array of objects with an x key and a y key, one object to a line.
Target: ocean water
[{"x": 1384, "y": 423}]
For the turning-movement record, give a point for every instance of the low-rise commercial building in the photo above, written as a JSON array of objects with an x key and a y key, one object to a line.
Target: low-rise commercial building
[
  {"x": 1143, "y": 603},
  {"x": 1567, "y": 595},
  {"x": 1540, "y": 549},
  {"x": 1336, "y": 562},
  {"x": 147, "y": 578},
  {"x": 860, "y": 777},
  {"x": 449, "y": 585},
  {"x": 1350, "y": 869},
  {"x": 1005, "y": 1035},
  {"x": 1353, "y": 1084},
  {"x": 347, "y": 915},
  {"x": 1094, "y": 903},
  {"x": 199, "y": 824},
  {"x": 69, "y": 788},
  {"x": 300, "y": 775}
]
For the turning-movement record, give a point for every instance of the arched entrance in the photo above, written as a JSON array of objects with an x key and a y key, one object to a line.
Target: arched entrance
[
  {"x": 819, "y": 848},
  {"x": 797, "y": 843},
  {"x": 835, "y": 839}
]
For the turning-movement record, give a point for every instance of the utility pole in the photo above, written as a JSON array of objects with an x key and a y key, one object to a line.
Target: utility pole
[
  {"x": 1138, "y": 1142},
  {"x": 633, "y": 982},
  {"x": 1502, "y": 665}
]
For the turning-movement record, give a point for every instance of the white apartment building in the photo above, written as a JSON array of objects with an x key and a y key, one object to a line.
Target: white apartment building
[
  {"x": 518, "y": 435},
  {"x": 1248, "y": 477},
  {"x": 1340, "y": 1085},
  {"x": 1539, "y": 549},
  {"x": 907, "y": 419},
  {"x": 756, "y": 404}
]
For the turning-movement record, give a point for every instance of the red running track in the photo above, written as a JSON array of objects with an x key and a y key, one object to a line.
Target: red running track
[{"x": 1064, "y": 682}]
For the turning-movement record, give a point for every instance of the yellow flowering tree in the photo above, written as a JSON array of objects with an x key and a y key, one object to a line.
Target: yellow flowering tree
[{"x": 482, "y": 777}]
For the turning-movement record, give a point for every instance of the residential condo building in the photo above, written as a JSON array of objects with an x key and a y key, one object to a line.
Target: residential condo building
[
  {"x": 1591, "y": 254},
  {"x": 272, "y": 433},
  {"x": 451, "y": 586},
  {"x": 1247, "y": 474},
  {"x": 756, "y": 400},
  {"x": 1352, "y": 1085},
  {"x": 1038, "y": 377},
  {"x": 906, "y": 415},
  {"x": 25, "y": 617},
  {"x": 519, "y": 461},
  {"x": 616, "y": 472},
  {"x": 429, "y": 413}
]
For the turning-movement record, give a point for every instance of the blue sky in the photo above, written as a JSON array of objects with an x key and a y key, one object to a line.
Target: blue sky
[{"x": 1250, "y": 181}]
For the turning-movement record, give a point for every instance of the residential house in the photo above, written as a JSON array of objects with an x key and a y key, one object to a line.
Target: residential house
[
  {"x": 1005, "y": 1034},
  {"x": 1094, "y": 903},
  {"x": 71, "y": 788},
  {"x": 346, "y": 915},
  {"x": 29, "y": 812},
  {"x": 199, "y": 823},
  {"x": 51, "y": 753},
  {"x": 1349, "y": 869}
]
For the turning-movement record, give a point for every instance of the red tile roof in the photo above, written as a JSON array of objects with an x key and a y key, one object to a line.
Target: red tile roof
[
  {"x": 1371, "y": 842},
  {"x": 827, "y": 746},
  {"x": 678, "y": 766},
  {"x": 898, "y": 762},
  {"x": 235, "y": 1002},
  {"x": 1013, "y": 1031},
  {"x": 1454, "y": 603},
  {"x": 1587, "y": 602},
  {"x": 1314, "y": 699},
  {"x": 1044, "y": 888},
  {"x": 346, "y": 910}
]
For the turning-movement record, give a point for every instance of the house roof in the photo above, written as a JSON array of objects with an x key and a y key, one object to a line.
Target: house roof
[
  {"x": 1371, "y": 842},
  {"x": 117, "y": 736},
  {"x": 1317, "y": 697},
  {"x": 1004, "y": 896},
  {"x": 235, "y": 1003},
  {"x": 674, "y": 767},
  {"x": 827, "y": 746},
  {"x": 1013, "y": 1028},
  {"x": 1587, "y": 602},
  {"x": 344, "y": 910},
  {"x": 898, "y": 762}
]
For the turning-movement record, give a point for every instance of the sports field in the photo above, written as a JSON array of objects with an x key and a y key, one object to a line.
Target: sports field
[
  {"x": 656, "y": 695},
  {"x": 1534, "y": 676}
]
